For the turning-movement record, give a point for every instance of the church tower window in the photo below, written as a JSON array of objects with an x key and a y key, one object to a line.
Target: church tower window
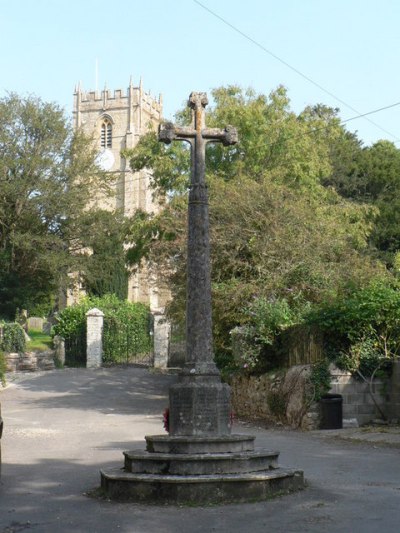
[{"x": 106, "y": 134}]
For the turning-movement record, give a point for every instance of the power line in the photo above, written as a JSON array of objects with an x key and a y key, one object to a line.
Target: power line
[
  {"x": 297, "y": 71},
  {"x": 371, "y": 113},
  {"x": 322, "y": 128}
]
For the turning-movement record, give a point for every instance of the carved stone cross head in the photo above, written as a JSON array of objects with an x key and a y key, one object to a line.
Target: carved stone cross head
[{"x": 197, "y": 132}]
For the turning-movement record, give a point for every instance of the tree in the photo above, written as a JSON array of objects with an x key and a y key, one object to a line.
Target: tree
[
  {"x": 104, "y": 271},
  {"x": 275, "y": 143},
  {"x": 48, "y": 176},
  {"x": 276, "y": 231},
  {"x": 373, "y": 178}
]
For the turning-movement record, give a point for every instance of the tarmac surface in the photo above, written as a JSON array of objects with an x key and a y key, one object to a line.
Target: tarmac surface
[{"x": 63, "y": 426}]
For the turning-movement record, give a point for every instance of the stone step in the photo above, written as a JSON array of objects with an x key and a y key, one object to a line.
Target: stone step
[
  {"x": 190, "y": 445},
  {"x": 206, "y": 489},
  {"x": 139, "y": 461}
]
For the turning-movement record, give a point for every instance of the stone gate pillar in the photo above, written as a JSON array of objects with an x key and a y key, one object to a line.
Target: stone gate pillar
[
  {"x": 94, "y": 345},
  {"x": 162, "y": 334}
]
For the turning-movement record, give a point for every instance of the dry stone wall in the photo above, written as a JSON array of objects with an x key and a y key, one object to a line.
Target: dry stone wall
[
  {"x": 285, "y": 397},
  {"x": 276, "y": 397},
  {"x": 29, "y": 361}
]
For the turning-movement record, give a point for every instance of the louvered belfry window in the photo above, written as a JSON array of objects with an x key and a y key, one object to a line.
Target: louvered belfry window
[{"x": 106, "y": 134}]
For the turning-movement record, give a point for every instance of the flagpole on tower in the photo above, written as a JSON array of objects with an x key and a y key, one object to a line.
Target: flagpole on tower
[{"x": 97, "y": 74}]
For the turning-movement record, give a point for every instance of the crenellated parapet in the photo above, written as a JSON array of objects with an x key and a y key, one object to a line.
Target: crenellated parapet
[{"x": 119, "y": 98}]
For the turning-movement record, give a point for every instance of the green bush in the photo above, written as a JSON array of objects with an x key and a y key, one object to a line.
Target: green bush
[
  {"x": 362, "y": 330},
  {"x": 320, "y": 379},
  {"x": 13, "y": 339},
  {"x": 72, "y": 320},
  {"x": 259, "y": 339},
  {"x": 3, "y": 368},
  {"x": 269, "y": 318}
]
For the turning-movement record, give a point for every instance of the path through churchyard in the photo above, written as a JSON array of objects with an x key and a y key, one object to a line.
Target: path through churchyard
[{"x": 62, "y": 426}]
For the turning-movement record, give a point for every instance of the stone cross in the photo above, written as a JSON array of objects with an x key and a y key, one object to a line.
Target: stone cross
[
  {"x": 199, "y": 350},
  {"x": 199, "y": 404}
]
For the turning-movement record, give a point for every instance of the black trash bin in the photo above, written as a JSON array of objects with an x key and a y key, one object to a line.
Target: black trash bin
[{"x": 331, "y": 406}]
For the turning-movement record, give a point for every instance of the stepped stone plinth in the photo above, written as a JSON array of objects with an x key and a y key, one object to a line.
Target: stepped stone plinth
[
  {"x": 189, "y": 445},
  {"x": 196, "y": 470},
  {"x": 200, "y": 462}
]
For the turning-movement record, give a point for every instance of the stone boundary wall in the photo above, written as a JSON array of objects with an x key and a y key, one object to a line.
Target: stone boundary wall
[
  {"x": 277, "y": 397},
  {"x": 394, "y": 407},
  {"x": 30, "y": 361},
  {"x": 357, "y": 401},
  {"x": 280, "y": 397}
]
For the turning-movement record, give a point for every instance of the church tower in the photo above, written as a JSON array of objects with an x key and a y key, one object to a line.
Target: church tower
[{"x": 117, "y": 120}]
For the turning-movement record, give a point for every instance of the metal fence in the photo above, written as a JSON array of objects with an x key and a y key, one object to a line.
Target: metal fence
[
  {"x": 122, "y": 344},
  {"x": 126, "y": 344}
]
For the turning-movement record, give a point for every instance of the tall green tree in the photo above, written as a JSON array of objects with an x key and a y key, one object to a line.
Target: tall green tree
[
  {"x": 276, "y": 231},
  {"x": 274, "y": 142},
  {"x": 48, "y": 176},
  {"x": 371, "y": 175},
  {"x": 105, "y": 271}
]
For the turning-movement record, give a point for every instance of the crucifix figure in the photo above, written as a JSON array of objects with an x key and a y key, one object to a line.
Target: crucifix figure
[{"x": 200, "y": 366}]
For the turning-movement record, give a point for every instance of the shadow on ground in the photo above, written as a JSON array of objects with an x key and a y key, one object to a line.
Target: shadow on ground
[{"x": 120, "y": 390}]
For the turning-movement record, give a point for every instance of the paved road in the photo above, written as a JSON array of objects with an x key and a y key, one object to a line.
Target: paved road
[{"x": 62, "y": 426}]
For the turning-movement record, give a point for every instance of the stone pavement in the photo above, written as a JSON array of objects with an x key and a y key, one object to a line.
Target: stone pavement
[{"x": 62, "y": 426}]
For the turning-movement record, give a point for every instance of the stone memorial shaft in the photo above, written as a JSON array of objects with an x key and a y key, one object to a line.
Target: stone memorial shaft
[
  {"x": 199, "y": 403},
  {"x": 200, "y": 461}
]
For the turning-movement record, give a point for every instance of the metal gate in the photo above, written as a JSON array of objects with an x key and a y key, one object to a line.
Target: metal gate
[
  {"x": 75, "y": 349},
  {"x": 122, "y": 344}
]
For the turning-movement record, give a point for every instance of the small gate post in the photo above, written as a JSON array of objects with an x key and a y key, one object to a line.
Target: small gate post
[
  {"x": 59, "y": 347},
  {"x": 94, "y": 346}
]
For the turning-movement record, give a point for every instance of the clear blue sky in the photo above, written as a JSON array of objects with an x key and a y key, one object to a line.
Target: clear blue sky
[{"x": 348, "y": 47}]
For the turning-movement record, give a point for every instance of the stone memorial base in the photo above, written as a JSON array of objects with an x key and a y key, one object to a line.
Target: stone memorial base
[{"x": 199, "y": 470}]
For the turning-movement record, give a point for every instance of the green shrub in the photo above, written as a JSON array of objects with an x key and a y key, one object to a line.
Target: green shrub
[
  {"x": 362, "y": 330},
  {"x": 13, "y": 339},
  {"x": 3, "y": 368},
  {"x": 270, "y": 318},
  {"x": 320, "y": 379},
  {"x": 72, "y": 320},
  {"x": 365, "y": 356},
  {"x": 259, "y": 339}
]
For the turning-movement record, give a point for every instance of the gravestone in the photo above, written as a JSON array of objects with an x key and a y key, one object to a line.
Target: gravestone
[{"x": 200, "y": 461}]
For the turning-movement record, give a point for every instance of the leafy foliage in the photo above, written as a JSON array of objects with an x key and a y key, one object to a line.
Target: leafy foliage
[
  {"x": 48, "y": 177},
  {"x": 257, "y": 339},
  {"x": 372, "y": 176},
  {"x": 72, "y": 320},
  {"x": 3, "y": 368},
  {"x": 278, "y": 232},
  {"x": 13, "y": 338},
  {"x": 363, "y": 329},
  {"x": 104, "y": 271},
  {"x": 320, "y": 380}
]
